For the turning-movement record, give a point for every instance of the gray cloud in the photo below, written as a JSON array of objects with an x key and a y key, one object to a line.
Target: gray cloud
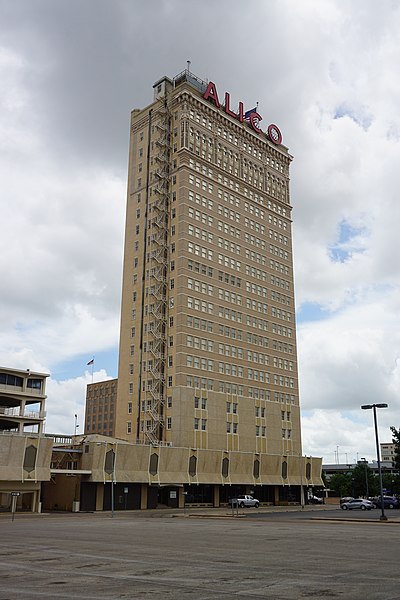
[{"x": 71, "y": 73}]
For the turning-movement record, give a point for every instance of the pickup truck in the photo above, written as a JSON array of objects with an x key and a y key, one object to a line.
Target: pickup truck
[{"x": 245, "y": 500}]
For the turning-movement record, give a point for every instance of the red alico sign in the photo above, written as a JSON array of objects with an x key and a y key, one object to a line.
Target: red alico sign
[{"x": 252, "y": 116}]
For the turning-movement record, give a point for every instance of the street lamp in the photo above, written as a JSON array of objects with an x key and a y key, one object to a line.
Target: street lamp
[
  {"x": 364, "y": 460},
  {"x": 76, "y": 424},
  {"x": 374, "y": 407}
]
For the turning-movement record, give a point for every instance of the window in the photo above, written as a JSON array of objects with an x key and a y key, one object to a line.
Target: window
[
  {"x": 196, "y": 423},
  {"x": 129, "y": 408},
  {"x": 170, "y": 381},
  {"x": 169, "y": 422},
  {"x": 129, "y": 427},
  {"x": 203, "y": 403},
  {"x": 204, "y": 424},
  {"x": 169, "y": 402}
]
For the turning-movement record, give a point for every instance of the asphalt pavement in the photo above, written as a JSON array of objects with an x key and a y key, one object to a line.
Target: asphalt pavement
[{"x": 279, "y": 553}]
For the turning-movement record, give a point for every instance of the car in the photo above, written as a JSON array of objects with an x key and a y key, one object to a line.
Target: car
[
  {"x": 346, "y": 499},
  {"x": 315, "y": 500},
  {"x": 388, "y": 502},
  {"x": 245, "y": 500},
  {"x": 357, "y": 503}
]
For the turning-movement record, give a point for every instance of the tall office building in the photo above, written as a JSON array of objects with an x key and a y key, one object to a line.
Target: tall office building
[{"x": 208, "y": 341}]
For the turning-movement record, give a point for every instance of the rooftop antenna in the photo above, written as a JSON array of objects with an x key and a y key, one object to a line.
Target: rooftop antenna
[{"x": 188, "y": 65}]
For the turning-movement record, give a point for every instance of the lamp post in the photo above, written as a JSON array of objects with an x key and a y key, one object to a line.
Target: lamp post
[
  {"x": 76, "y": 424},
  {"x": 366, "y": 475},
  {"x": 383, "y": 517}
]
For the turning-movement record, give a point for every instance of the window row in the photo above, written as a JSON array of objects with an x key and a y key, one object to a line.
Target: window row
[
  {"x": 277, "y": 266},
  {"x": 200, "y": 423},
  {"x": 227, "y": 245},
  {"x": 226, "y": 261},
  {"x": 197, "y": 215},
  {"x": 200, "y": 402},
  {"x": 228, "y": 229},
  {"x": 256, "y": 289},
  {"x": 200, "y": 268},
  {"x": 200, "y": 251},
  {"x": 231, "y": 297},
  {"x": 198, "y": 323},
  {"x": 231, "y": 427},
  {"x": 201, "y": 183},
  {"x": 200, "y": 305},
  {"x": 230, "y": 279},
  {"x": 285, "y": 315},
  {"x": 199, "y": 343},
  {"x": 197, "y": 362},
  {"x": 257, "y": 357},
  {"x": 228, "y": 214},
  {"x": 197, "y": 166},
  {"x": 282, "y": 330},
  {"x": 260, "y": 307},
  {"x": 230, "y": 369},
  {"x": 228, "y": 198},
  {"x": 201, "y": 234},
  {"x": 277, "y": 297},
  {"x": 200, "y": 286},
  {"x": 228, "y": 313},
  {"x": 257, "y": 323},
  {"x": 228, "y": 350},
  {"x": 200, "y": 200}
]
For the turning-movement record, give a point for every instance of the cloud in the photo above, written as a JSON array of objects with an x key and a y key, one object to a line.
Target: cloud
[{"x": 71, "y": 73}]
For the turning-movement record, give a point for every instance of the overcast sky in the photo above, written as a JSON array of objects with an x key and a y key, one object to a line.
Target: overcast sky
[{"x": 326, "y": 72}]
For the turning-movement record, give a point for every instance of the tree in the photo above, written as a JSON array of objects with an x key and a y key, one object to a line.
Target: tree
[
  {"x": 341, "y": 484},
  {"x": 396, "y": 442},
  {"x": 365, "y": 482}
]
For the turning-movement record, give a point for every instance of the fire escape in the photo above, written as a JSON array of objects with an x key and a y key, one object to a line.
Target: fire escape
[{"x": 157, "y": 284}]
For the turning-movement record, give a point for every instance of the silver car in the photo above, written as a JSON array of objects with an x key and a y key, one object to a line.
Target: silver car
[{"x": 357, "y": 503}]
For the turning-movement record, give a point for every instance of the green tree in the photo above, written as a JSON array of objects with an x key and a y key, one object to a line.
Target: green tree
[
  {"x": 396, "y": 442},
  {"x": 365, "y": 482},
  {"x": 341, "y": 484}
]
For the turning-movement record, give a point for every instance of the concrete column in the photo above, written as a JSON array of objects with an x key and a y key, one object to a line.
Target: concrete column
[
  {"x": 276, "y": 495},
  {"x": 143, "y": 496},
  {"x": 181, "y": 497},
  {"x": 216, "y": 496},
  {"x": 99, "y": 496}
]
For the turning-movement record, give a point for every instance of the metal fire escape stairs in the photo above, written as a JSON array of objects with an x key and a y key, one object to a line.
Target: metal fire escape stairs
[{"x": 158, "y": 283}]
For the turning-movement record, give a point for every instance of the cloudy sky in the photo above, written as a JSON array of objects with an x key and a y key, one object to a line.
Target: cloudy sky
[{"x": 327, "y": 72}]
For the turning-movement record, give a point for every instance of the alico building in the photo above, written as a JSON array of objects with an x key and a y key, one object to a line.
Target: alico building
[{"x": 208, "y": 379}]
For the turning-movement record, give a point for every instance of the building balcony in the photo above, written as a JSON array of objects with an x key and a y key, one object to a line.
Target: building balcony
[{"x": 15, "y": 411}]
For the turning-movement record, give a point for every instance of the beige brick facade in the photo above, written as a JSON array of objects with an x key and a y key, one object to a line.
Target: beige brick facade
[{"x": 208, "y": 354}]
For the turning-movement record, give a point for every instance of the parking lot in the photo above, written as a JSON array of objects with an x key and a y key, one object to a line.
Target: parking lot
[{"x": 203, "y": 555}]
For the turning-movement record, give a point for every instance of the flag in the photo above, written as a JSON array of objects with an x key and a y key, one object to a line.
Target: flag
[
  {"x": 248, "y": 112},
  {"x": 91, "y": 362}
]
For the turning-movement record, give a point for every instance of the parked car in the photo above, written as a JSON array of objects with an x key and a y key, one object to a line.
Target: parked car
[
  {"x": 388, "y": 502},
  {"x": 315, "y": 500},
  {"x": 245, "y": 500},
  {"x": 357, "y": 503},
  {"x": 346, "y": 499}
]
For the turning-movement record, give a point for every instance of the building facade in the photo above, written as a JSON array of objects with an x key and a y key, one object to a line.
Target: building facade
[
  {"x": 388, "y": 454},
  {"x": 100, "y": 407},
  {"x": 25, "y": 451},
  {"x": 208, "y": 341}
]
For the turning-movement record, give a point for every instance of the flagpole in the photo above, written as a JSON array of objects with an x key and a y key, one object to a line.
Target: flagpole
[{"x": 92, "y": 368}]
